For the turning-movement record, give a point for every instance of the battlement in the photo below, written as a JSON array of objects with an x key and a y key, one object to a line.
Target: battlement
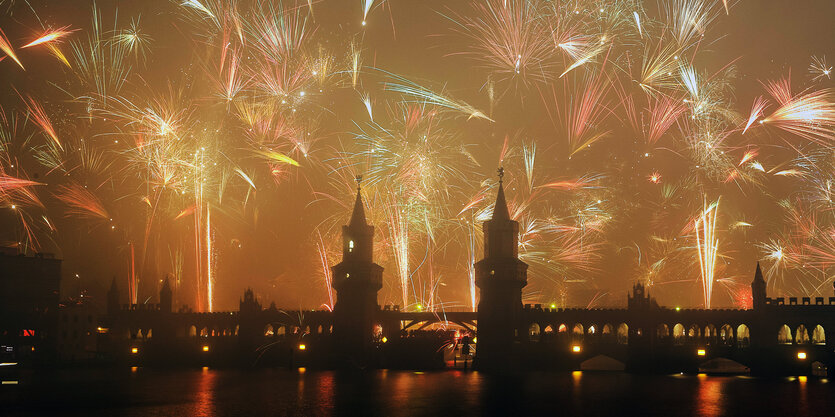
[{"x": 804, "y": 301}]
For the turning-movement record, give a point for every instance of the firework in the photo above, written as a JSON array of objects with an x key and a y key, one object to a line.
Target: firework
[
  {"x": 49, "y": 37},
  {"x": 6, "y": 47},
  {"x": 707, "y": 244}
]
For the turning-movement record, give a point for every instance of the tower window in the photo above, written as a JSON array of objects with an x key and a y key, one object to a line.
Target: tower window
[
  {"x": 347, "y": 275},
  {"x": 350, "y": 246},
  {"x": 492, "y": 272}
]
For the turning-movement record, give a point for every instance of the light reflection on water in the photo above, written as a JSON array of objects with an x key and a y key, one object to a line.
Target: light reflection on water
[{"x": 210, "y": 392}]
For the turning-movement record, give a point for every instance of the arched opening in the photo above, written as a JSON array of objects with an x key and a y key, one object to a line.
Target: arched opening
[
  {"x": 678, "y": 334},
  {"x": 204, "y": 332},
  {"x": 726, "y": 334},
  {"x": 192, "y": 331},
  {"x": 577, "y": 332},
  {"x": 549, "y": 329},
  {"x": 663, "y": 331},
  {"x": 237, "y": 327},
  {"x": 801, "y": 336},
  {"x": 269, "y": 330},
  {"x": 138, "y": 334},
  {"x": 623, "y": 334},
  {"x": 319, "y": 329},
  {"x": 710, "y": 331},
  {"x": 593, "y": 329},
  {"x": 743, "y": 336},
  {"x": 533, "y": 332},
  {"x": 149, "y": 333},
  {"x": 562, "y": 328},
  {"x": 784, "y": 335},
  {"x": 818, "y": 335},
  {"x": 607, "y": 331},
  {"x": 280, "y": 331},
  {"x": 694, "y": 332}
]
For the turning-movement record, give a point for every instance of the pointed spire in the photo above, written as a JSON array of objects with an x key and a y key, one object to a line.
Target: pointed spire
[
  {"x": 113, "y": 286},
  {"x": 165, "y": 286},
  {"x": 358, "y": 216},
  {"x": 500, "y": 211},
  {"x": 758, "y": 275}
]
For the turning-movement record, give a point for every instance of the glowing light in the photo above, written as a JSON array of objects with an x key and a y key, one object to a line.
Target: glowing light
[
  {"x": 385, "y": 339},
  {"x": 205, "y": 348},
  {"x": 576, "y": 348},
  {"x": 801, "y": 355},
  {"x": 708, "y": 247},
  {"x": 302, "y": 347},
  {"x": 134, "y": 350},
  {"x": 701, "y": 352}
]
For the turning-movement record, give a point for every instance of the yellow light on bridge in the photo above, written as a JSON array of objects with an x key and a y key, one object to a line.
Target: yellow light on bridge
[
  {"x": 701, "y": 352},
  {"x": 801, "y": 355},
  {"x": 576, "y": 349},
  {"x": 678, "y": 308},
  {"x": 385, "y": 339},
  {"x": 205, "y": 348},
  {"x": 302, "y": 347},
  {"x": 134, "y": 350}
]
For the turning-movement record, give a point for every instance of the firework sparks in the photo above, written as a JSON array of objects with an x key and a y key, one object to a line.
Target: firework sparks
[{"x": 707, "y": 244}]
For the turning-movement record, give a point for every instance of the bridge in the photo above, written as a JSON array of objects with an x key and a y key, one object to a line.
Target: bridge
[{"x": 775, "y": 336}]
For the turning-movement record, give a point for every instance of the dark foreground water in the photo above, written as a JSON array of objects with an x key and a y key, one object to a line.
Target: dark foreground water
[{"x": 208, "y": 392}]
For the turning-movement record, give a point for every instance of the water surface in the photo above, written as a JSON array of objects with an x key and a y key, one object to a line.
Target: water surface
[{"x": 209, "y": 392}]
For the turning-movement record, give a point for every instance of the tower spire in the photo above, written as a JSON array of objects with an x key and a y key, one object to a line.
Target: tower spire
[
  {"x": 358, "y": 216},
  {"x": 758, "y": 274},
  {"x": 500, "y": 211}
]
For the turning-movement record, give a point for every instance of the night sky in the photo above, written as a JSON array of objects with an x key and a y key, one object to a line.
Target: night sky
[{"x": 216, "y": 142}]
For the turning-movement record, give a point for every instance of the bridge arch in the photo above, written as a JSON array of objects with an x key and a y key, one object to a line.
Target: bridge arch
[
  {"x": 801, "y": 336},
  {"x": 533, "y": 332},
  {"x": 818, "y": 335},
  {"x": 679, "y": 334},
  {"x": 694, "y": 332},
  {"x": 726, "y": 334},
  {"x": 623, "y": 334},
  {"x": 784, "y": 335},
  {"x": 577, "y": 332},
  {"x": 192, "y": 331},
  {"x": 662, "y": 331},
  {"x": 269, "y": 330},
  {"x": 607, "y": 333},
  {"x": 710, "y": 331},
  {"x": 743, "y": 336}
]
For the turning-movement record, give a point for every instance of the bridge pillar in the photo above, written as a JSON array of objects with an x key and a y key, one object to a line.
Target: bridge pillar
[
  {"x": 356, "y": 279},
  {"x": 500, "y": 277}
]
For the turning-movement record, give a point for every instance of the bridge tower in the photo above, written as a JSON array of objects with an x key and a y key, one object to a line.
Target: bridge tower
[
  {"x": 500, "y": 277},
  {"x": 113, "y": 305},
  {"x": 165, "y": 297},
  {"x": 356, "y": 280},
  {"x": 758, "y": 293}
]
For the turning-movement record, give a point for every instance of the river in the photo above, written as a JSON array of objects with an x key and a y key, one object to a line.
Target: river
[{"x": 211, "y": 392}]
